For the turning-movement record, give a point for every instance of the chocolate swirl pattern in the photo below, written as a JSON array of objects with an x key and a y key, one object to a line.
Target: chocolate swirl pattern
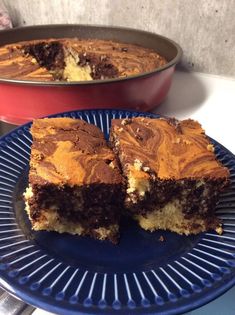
[
  {"x": 127, "y": 58},
  {"x": 86, "y": 59},
  {"x": 72, "y": 152},
  {"x": 171, "y": 149},
  {"x": 14, "y": 64}
]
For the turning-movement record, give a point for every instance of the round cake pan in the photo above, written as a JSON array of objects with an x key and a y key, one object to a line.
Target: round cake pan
[{"x": 21, "y": 101}]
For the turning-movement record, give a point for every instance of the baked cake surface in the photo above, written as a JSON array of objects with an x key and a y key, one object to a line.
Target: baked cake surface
[
  {"x": 172, "y": 175},
  {"x": 75, "y": 60},
  {"x": 75, "y": 185}
]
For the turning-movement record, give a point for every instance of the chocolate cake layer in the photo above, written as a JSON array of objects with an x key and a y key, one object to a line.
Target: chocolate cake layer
[
  {"x": 75, "y": 60},
  {"x": 172, "y": 175},
  {"x": 75, "y": 183}
]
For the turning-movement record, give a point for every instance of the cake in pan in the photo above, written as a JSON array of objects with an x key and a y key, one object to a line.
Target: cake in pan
[
  {"x": 75, "y": 184},
  {"x": 172, "y": 175},
  {"x": 76, "y": 60}
]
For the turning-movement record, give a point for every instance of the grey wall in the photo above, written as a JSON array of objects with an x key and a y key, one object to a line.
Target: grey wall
[{"x": 204, "y": 28}]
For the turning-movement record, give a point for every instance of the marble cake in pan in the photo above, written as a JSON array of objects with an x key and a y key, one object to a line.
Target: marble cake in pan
[
  {"x": 73, "y": 59},
  {"x": 172, "y": 175},
  {"x": 75, "y": 185}
]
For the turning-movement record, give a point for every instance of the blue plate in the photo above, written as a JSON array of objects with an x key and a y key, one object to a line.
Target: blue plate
[{"x": 78, "y": 275}]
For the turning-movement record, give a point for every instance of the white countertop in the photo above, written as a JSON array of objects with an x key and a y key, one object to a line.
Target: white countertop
[
  {"x": 210, "y": 100},
  {"x": 206, "y": 98}
]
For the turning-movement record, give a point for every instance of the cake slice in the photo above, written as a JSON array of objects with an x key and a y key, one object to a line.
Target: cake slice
[
  {"x": 75, "y": 184},
  {"x": 173, "y": 178}
]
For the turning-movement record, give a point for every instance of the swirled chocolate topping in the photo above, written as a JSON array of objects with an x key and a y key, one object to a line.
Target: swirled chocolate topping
[
  {"x": 75, "y": 60},
  {"x": 171, "y": 149},
  {"x": 72, "y": 152}
]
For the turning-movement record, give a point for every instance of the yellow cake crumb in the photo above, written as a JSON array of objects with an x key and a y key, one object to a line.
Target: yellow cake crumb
[
  {"x": 73, "y": 72},
  {"x": 219, "y": 230},
  {"x": 210, "y": 148},
  {"x": 170, "y": 217},
  {"x": 138, "y": 180}
]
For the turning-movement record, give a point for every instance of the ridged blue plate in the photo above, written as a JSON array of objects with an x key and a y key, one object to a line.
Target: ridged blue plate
[{"x": 77, "y": 275}]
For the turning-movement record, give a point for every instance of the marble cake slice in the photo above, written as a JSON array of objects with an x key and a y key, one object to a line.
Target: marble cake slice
[
  {"x": 173, "y": 178},
  {"x": 75, "y": 185}
]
